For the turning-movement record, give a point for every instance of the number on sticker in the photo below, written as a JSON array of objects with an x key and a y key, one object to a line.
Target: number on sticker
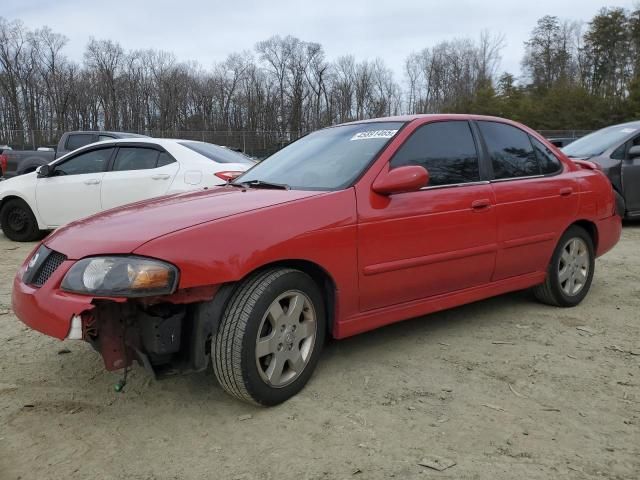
[{"x": 374, "y": 134}]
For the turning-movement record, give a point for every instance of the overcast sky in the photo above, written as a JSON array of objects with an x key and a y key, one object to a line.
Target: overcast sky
[{"x": 208, "y": 30}]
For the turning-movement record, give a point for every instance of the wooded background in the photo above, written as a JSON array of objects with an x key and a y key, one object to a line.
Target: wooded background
[{"x": 574, "y": 76}]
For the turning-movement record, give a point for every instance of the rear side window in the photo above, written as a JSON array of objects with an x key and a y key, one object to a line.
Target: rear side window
[
  {"x": 445, "y": 149},
  {"x": 78, "y": 140},
  {"x": 511, "y": 152},
  {"x": 135, "y": 158},
  {"x": 549, "y": 163}
]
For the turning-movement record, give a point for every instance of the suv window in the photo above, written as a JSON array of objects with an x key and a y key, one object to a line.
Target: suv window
[
  {"x": 77, "y": 140},
  {"x": 446, "y": 149},
  {"x": 135, "y": 158},
  {"x": 549, "y": 163},
  {"x": 510, "y": 149},
  {"x": 93, "y": 161},
  {"x": 105, "y": 137}
]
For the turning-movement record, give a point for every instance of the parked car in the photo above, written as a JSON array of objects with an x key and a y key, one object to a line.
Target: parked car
[
  {"x": 3, "y": 160},
  {"x": 616, "y": 150},
  {"x": 108, "y": 174},
  {"x": 20, "y": 162},
  {"x": 561, "y": 142},
  {"x": 345, "y": 230}
]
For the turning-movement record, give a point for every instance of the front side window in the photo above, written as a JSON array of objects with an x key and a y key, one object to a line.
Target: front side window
[
  {"x": 135, "y": 158},
  {"x": 510, "y": 149},
  {"x": 328, "y": 159},
  {"x": 77, "y": 140},
  {"x": 446, "y": 149},
  {"x": 549, "y": 163},
  {"x": 93, "y": 161}
]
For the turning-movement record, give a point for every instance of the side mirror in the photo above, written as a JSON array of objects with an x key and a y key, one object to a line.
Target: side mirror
[
  {"x": 44, "y": 171},
  {"x": 634, "y": 152},
  {"x": 401, "y": 180}
]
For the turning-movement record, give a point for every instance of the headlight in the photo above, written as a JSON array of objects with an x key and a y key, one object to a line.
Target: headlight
[{"x": 121, "y": 277}]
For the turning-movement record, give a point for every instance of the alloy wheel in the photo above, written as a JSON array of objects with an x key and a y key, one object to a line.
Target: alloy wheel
[{"x": 286, "y": 338}]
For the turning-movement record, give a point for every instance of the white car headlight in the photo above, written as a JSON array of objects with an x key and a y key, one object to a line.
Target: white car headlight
[{"x": 121, "y": 277}]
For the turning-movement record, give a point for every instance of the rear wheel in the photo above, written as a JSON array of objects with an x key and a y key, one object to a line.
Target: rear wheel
[
  {"x": 571, "y": 270},
  {"x": 270, "y": 337},
  {"x": 18, "y": 222}
]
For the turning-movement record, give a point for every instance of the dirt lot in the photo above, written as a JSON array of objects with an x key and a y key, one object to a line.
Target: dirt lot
[{"x": 507, "y": 388}]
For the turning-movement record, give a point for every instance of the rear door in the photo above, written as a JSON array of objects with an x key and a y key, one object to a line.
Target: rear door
[
  {"x": 535, "y": 200},
  {"x": 73, "y": 189},
  {"x": 137, "y": 173},
  {"x": 436, "y": 240}
]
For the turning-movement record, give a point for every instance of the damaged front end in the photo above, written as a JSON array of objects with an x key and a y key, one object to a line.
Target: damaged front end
[
  {"x": 128, "y": 308},
  {"x": 167, "y": 335}
]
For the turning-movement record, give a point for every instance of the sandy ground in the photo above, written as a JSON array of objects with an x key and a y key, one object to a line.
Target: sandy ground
[{"x": 506, "y": 388}]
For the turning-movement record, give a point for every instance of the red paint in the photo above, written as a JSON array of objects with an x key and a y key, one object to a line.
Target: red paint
[
  {"x": 390, "y": 257},
  {"x": 401, "y": 180}
]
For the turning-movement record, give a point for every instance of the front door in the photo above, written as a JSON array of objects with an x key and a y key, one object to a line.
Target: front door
[
  {"x": 73, "y": 189},
  {"x": 434, "y": 241},
  {"x": 631, "y": 180},
  {"x": 138, "y": 173}
]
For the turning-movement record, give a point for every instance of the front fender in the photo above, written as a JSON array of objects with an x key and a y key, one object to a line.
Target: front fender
[{"x": 320, "y": 229}]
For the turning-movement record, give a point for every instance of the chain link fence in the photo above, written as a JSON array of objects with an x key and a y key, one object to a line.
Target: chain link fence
[{"x": 256, "y": 144}]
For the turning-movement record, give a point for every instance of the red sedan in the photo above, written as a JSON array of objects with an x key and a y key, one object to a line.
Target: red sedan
[{"x": 348, "y": 229}]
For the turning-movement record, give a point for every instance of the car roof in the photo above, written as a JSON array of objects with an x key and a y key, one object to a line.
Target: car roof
[
  {"x": 108, "y": 132},
  {"x": 431, "y": 116}
]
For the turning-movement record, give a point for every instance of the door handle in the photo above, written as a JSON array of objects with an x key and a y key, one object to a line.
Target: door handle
[
  {"x": 566, "y": 191},
  {"x": 92, "y": 181},
  {"x": 160, "y": 176},
  {"x": 482, "y": 204}
]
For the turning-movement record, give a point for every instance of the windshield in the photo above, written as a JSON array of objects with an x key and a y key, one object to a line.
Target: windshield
[
  {"x": 597, "y": 143},
  {"x": 328, "y": 159},
  {"x": 217, "y": 153}
]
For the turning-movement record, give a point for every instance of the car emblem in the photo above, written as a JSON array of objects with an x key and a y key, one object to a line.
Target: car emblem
[{"x": 33, "y": 260}]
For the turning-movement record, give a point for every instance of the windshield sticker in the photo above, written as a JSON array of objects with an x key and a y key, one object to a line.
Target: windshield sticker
[
  {"x": 374, "y": 134},
  {"x": 628, "y": 130}
]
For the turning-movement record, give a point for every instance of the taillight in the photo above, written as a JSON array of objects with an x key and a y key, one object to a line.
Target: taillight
[
  {"x": 228, "y": 175},
  {"x": 3, "y": 163}
]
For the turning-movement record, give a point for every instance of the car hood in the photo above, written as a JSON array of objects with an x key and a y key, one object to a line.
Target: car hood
[{"x": 124, "y": 229}]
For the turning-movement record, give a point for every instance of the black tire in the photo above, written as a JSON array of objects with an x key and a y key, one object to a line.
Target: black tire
[
  {"x": 551, "y": 291},
  {"x": 235, "y": 361},
  {"x": 18, "y": 222}
]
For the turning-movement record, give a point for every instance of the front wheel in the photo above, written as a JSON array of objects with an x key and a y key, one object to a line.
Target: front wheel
[
  {"x": 270, "y": 336},
  {"x": 571, "y": 270},
  {"x": 18, "y": 222}
]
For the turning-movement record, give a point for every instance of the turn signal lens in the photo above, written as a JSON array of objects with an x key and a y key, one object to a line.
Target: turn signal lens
[{"x": 150, "y": 277}]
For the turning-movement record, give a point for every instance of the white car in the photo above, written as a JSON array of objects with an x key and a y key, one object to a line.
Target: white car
[{"x": 108, "y": 174}]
